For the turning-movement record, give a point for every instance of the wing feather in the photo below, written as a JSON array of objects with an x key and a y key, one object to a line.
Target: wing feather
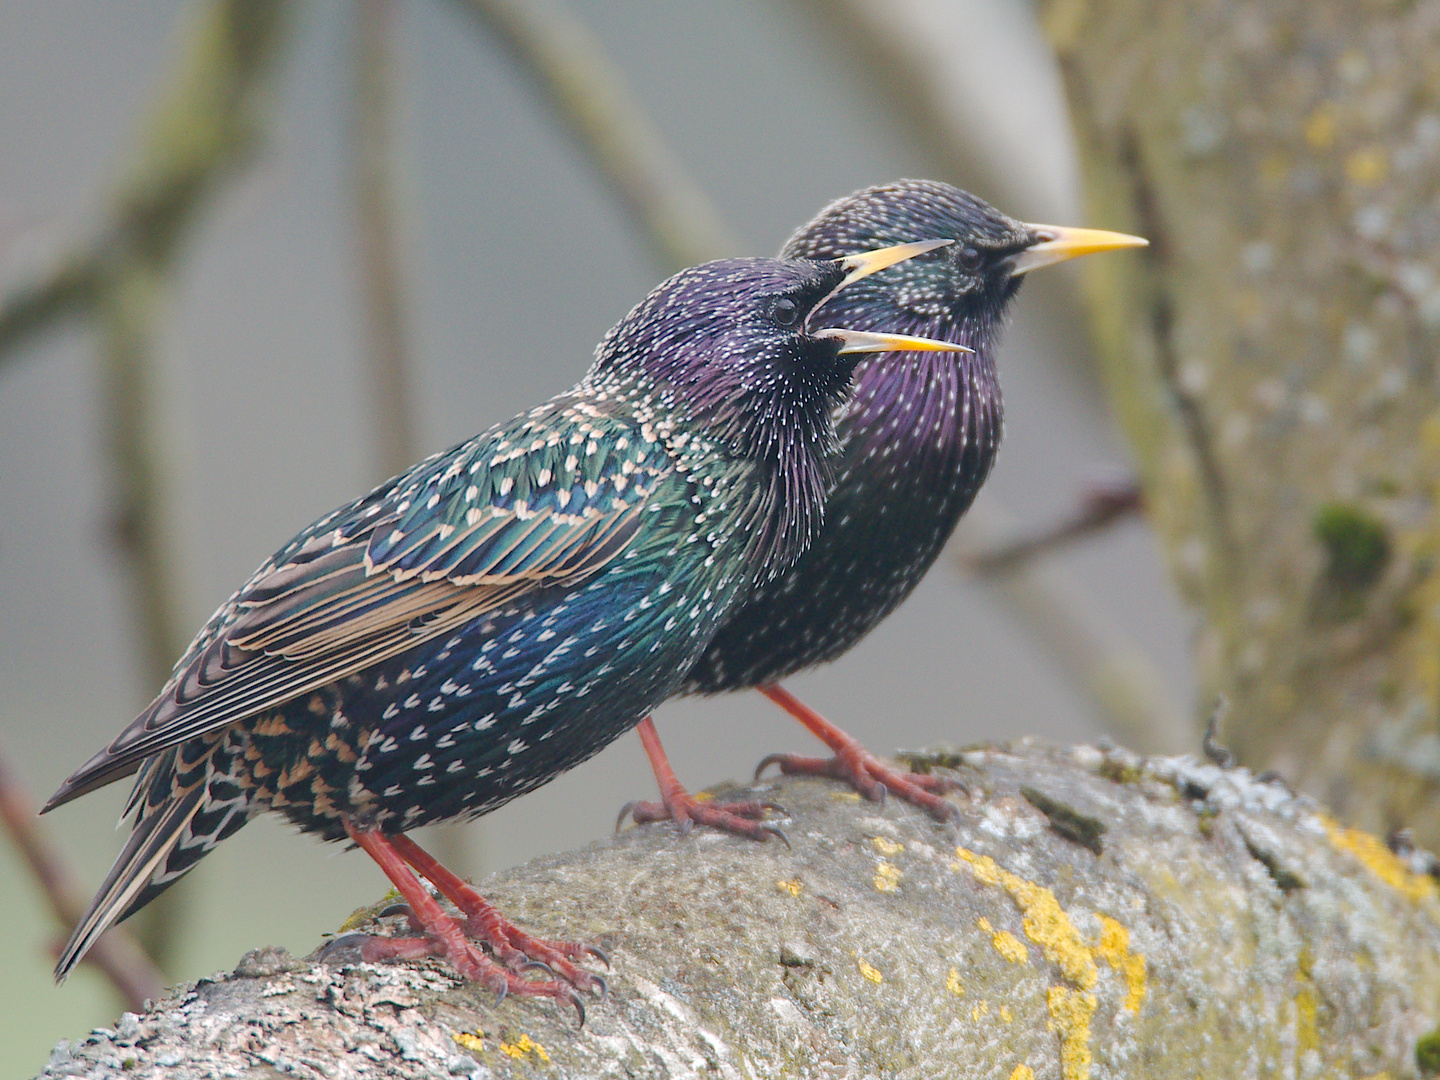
[{"x": 455, "y": 537}]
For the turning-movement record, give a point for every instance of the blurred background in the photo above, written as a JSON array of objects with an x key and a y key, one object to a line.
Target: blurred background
[{"x": 511, "y": 254}]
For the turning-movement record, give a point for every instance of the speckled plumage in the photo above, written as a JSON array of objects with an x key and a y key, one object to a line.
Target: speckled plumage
[
  {"x": 501, "y": 611},
  {"x": 918, "y": 436}
]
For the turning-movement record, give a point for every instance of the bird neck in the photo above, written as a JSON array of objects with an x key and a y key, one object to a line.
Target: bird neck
[{"x": 928, "y": 414}]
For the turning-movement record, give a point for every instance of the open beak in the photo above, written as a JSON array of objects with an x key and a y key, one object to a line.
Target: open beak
[
  {"x": 1059, "y": 243},
  {"x": 870, "y": 262},
  {"x": 857, "y": 341}
]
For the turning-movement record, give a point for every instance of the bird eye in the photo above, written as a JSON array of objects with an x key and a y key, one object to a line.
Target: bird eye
[
  {"x": 785, "y": 312},
  {"x": 969, "y": 258}
]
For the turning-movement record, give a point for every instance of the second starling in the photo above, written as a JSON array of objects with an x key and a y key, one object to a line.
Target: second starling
[{"x": 917, "y": 441}]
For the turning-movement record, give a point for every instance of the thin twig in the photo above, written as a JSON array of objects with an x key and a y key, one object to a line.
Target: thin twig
[
  {"x": 591, "y": 98},
  {"x": 1103, "y": 503},
  {"x": 116, "y": 954},
  {"x": 1120, "y": 679}
]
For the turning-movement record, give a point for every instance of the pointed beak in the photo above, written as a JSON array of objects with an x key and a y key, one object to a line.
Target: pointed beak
[
  {"x": 870, "y": 262},
  {"x": 862, "y": 341},
  {"x": 1059, "y": 243}
]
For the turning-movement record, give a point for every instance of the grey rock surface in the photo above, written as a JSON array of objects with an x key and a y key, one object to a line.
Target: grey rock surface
[{"x": 1225, "y": 928}]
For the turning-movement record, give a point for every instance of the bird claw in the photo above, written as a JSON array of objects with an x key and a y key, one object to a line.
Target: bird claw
[
  {"x": 602, "y": 989},
  {"x": 599, "y": 954},
  {"x": 767, "y": 761},
  {"x": 625, "y": 812},
  {"x": 341, "y": 943},
  {"x": 774, "y": 830},
  {"x": 397, "y": 908}
]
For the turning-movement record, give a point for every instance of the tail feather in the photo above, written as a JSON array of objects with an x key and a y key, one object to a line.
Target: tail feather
[{"x": 143, "y": 858}]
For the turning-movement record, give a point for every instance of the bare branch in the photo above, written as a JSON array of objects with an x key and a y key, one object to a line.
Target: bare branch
[
  {"x": 1103, "y": 503},
  {"x": 116, "y": 954},
  {"x": 1087, "y": 913},
  {"x": 591, "y": 99},
  {"x": 1114, "y": 672}
]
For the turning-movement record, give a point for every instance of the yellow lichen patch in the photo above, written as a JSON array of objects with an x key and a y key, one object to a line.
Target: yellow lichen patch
[
  {"x": 1114, "y": 949},
  {"x": 1367, "y": 166},
  {"x": 1022, "y": 1072},
  {"x": 792, "y": 886},
  {"x": 1044, "y": 921},
  {"x": 1379, "y": 859},
  {"x": 525, "y": 1045},
  {"x": 979, "y": 1010},
  {"x": 952, "y": 983},
  {"x": 1321, "y": 127},
  {"x": 887, "y": 876},
  {"x": 1307, "y": 1028},
  {"x": 887, "y": 847},
  {"x": 1070, "y": 1015},
  {"x": 1006, "y": 943},
  {"x": 470, "y": 1042},
  {"x": 1006, "y": 1014},
  {"x": 873, "y": 974},
  {"x": 846, "y": 796}
]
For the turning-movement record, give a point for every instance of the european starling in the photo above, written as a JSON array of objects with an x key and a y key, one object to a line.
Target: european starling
[
  {"x": 917, "y": 441},
  {"x": 501, "y": 611}
]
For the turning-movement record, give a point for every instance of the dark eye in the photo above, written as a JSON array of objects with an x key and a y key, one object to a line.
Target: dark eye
[
  {"x": 969, "y": 258},
  {"x": 785, "y": 312}
]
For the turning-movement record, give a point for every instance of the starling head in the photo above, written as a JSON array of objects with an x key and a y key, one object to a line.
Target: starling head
[{"x": 966, "y": 285}]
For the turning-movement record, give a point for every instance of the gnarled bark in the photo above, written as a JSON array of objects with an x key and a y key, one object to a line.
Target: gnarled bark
[{"x": 1088, "y": 914}]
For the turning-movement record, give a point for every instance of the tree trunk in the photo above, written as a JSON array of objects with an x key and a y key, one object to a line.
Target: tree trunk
[
  {"x": 1273, "y": 360},
  {"x": 1089, "y": 914}
]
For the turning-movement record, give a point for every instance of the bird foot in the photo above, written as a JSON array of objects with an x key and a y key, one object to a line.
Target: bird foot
[
  {"x": 855, "y": 765},
  {"x": 472, "y": 964},
  {"x": 872, "y": 778},
  {"x": 679, "y": 806},
  {"x": 743, "y": 818},
  {"x": 517, "y": 953},
  {"x": 520, "y": 952}
]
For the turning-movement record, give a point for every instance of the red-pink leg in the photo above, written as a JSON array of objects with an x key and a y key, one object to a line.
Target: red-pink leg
[
  {"x": 684, "y": 809},
  {"x": 445, "y": 936},
  {"x": 854, "y": 764},
  {"x": 513, "y": 946}
]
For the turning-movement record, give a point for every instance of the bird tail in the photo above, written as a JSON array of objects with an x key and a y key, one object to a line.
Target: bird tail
[
  {"x": 173, "y": 832},
  {"x": 144, "y": 855}
]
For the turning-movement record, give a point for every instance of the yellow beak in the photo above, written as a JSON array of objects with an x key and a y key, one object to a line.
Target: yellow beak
[
  {"x": 856, "y": 341},
  {"x": 1061, "y": 243},
  {"x": 866, "y": 263}
]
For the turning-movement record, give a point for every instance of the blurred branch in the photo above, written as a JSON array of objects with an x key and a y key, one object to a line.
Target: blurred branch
[
  {"x": 40, "y": 304},
  {"x": 380, "y": 263},
  {"x": 590, "y": 98},
  {"x": 116, "y": 954},
  {"x": 203, "y": 127},
  {"x": 1103, "y": 503},
  {"x": 1121, "y": 681}
]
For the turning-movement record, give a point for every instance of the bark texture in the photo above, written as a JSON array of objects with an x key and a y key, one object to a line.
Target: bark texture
[
  {"x": 1273, "y": 361},
  {"x": 1089, "y": 914}
]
